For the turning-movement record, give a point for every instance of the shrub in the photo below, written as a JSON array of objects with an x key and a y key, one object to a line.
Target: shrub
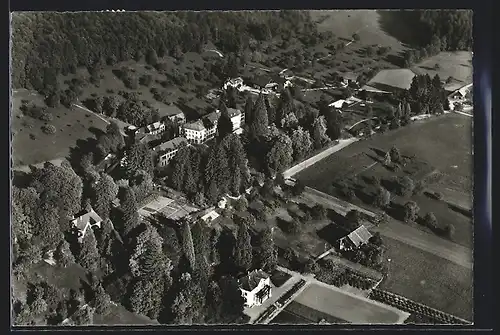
[
  {"x": 318, "y": 212},
  {"x": 49, "y": 129},
  {"x": 419, "y": 187},
  {"x": 430, "y": 220},
  {"x": 406, "y": 186},
  {"x": 46, "y": 117},
  {"x": 349, "y": 194},
  {"x": 450, "y": 230}
]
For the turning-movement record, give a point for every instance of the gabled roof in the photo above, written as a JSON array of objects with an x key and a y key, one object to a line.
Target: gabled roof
[
  {"x": 359, "y": 236},
  {"x": 252, "y": 280},
  {"x": 399, "y": 78},
  {"x": 81, "y": 219},
  {"x": 170, "y": 145},
  {"x": 196, "y": 125}
]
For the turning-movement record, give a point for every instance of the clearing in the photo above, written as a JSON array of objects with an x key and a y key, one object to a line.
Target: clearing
[
  {"x": 457, "y": 65},
  {"x": 365, "y": 23},
  {"x": 443, "y": 156},
  {"x": 429, "y": 279},
  {"x": 71, "y": 126}
]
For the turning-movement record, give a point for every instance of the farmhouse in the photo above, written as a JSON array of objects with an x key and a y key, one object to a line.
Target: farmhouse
[
  {"x": 392, "y": 80},
  {"x": 354, "y": 239},
  {"x": 166, "y": 151},
  {"x": 255, "y": 288},
  {"x": 83, "y": 221}
]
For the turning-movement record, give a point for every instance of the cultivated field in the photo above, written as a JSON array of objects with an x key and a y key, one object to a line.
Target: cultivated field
[
  {"x": 457, "y": 65},
  {"x": 333, "y": 302},
  {"x": 442, "y": 149},
  {"x": 71, "y": 126},
  {"x": 428, "y": 279}
]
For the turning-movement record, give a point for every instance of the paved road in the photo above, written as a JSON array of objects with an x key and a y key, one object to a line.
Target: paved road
[
  {"x": 325, "y": 153},
  {"x": 399, "y": 231}
]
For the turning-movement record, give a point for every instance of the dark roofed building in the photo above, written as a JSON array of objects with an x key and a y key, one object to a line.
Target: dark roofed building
[{"x": 166, "y": 151}]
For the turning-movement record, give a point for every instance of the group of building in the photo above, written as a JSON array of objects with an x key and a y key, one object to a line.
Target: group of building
[{"x": 194, "y": 132}]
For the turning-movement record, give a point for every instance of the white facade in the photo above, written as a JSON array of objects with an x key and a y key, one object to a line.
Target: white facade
[{"x": 259, "y": 294}]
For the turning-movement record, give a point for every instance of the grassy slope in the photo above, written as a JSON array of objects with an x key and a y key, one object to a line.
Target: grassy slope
[
  {"x": 71, "y": 125},
  {"x": 443, "y": 144}
]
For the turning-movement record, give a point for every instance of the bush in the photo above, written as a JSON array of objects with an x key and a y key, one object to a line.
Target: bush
[
  {"x": 349, "y": 194},
  {"x": 430, "y": 220},
  {"x": 319, "y": 212},
  {"x": 49, "y": 129},
  {"x": 46, "y": 117}
]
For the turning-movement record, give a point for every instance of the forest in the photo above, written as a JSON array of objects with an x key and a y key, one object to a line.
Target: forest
[{"x": 47, "y": 44}]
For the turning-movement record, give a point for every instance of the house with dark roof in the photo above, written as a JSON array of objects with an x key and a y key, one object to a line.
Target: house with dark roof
[
  {"x": 255, "y": 287},
  {"x": 354, "y": 239},
  {"x": 81, "y": 222},
  {"x": 166, "y": 151}
]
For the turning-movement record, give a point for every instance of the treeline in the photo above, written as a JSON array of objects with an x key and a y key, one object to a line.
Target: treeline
[
  {"x": 439, "y": 30},
  {"x": 47, "y": 44}
]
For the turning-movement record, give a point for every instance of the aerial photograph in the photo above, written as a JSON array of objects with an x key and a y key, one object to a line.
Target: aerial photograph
[{"x": 241, "y": 168}]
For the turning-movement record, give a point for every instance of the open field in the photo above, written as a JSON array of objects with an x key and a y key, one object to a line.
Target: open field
[
  {"x": 333, "y": 302},
  {"x": 428, "y": 279},
  {"x": 365, "y": 23},
  {"x": 71, "y": 126},
  {"x": 457, "y": 65},
  {"x": 442, "y": 148}
]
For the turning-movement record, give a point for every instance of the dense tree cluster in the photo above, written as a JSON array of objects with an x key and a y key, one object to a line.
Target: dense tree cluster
[
  {"x": 439, "y": 30},
  {"x": 46, "y": 44},
  {"x": 221, "y": 169}
]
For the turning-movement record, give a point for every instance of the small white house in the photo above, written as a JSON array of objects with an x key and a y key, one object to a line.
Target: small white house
[
  {"x": 222, "y": 203},
  {"x": 83, "y": 221},
  {"x": 255, "y": 288}
]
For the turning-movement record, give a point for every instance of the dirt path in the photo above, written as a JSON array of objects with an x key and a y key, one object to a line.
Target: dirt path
[
  {"x": 325, "y": 153},
  {"x": 399, "y": 231}
]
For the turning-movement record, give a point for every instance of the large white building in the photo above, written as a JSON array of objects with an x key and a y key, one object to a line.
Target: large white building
[
  {"x": 166, "y": 151},
  {"x": 205, "y": 128},
  {"x": 255, "y": 288}
]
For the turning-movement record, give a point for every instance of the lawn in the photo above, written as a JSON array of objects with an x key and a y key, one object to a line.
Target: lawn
[
  {"x": 457, "y": 65},
  {"x": 71, "y": 126},
  {"x": 429, "y": 279},
  {"x": 118, "y": 315},
  {"x": 334, "y": 303},
  {"x": 442, "y": 149}
]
